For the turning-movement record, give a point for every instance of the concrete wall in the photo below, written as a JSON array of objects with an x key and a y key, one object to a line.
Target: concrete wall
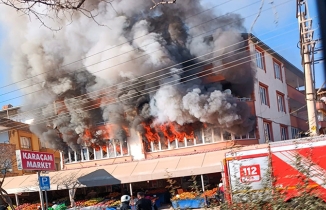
[{"x": 271, "y": 112}]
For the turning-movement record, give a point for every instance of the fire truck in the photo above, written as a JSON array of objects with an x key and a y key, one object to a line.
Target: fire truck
[{"x": 287, "y": 167}]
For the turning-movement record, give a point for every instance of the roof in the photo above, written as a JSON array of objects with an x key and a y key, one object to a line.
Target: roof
[{"x": 7, "y": 124}]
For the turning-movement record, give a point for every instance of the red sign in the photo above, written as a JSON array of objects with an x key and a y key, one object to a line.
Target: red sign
[
  {"x": 250, "y": 173},
  {"x": 36, "y": 161}
]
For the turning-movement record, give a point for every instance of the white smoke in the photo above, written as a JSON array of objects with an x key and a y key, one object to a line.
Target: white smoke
[{"x": 131, "y": 41}]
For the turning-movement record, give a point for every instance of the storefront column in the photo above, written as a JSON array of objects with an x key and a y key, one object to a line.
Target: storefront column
[
  {"x": 17, "y": 200},
  {"x": 202, "y": 182},
  {"x": 130, "y": 189}
]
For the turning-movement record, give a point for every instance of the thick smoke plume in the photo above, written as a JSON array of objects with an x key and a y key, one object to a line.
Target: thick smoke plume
[{"x": 122, "y": 59}]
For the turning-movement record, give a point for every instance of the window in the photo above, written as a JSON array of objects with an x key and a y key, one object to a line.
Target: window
[
  {"x": 43, "y": 144},
  {"x": 280, "y": 102},
  {"x": 263, "y": 92},
  {"x": 25, "y": 142},
  {"x": 268, "y": 131},
  {"x": 295, "y": 133},
  {"x": 260, "y": 59},
  {"x": 277, "y": 70},
  {"x": 284, "y": 133},
  {"x": 113, "y": 148},
  {"x": 201, "y": 136}
]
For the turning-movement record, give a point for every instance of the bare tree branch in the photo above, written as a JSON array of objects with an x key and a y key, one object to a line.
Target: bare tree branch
[
  {"x": 162, "y": 3},
  {"x": 54, "y": 9},
  {"x": 7, "y": 157},
  {"x": 69, "y": 182}
]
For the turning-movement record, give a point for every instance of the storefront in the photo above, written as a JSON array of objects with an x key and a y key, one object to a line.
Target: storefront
[{"x": 127, "y": 178}]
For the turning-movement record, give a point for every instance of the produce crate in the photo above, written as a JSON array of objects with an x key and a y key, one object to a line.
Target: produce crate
[
  {"x": 189, "y": 203},
  {"x": 111, "y": 208}
]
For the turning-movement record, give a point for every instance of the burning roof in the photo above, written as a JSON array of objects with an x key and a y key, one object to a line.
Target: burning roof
[{"x": 156, "y": 72}]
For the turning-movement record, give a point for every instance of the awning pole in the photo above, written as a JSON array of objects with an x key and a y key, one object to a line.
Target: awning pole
[
  {"x": 17, "y": 200},
  {"x": 202, "y": 182},
  {"x": 130, "y": 189}
]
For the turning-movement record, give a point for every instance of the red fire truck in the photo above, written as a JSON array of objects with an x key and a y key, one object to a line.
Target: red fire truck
[{"x": 291, "y": 163}]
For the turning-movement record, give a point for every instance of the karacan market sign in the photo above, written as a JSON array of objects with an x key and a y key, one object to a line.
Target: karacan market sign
[{"x": 37, "y": 161}]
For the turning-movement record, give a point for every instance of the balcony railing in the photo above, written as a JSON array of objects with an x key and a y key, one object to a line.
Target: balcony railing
[
  {"x": 299, "y": 123},
  {"x": 296, "y": 95},
  {"x": 320, "y": 105}
]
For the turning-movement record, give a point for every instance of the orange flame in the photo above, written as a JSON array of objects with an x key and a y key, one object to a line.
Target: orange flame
[
  {"x": 150, "y": 134},
  {"x": 174, "y": 131},
  {"x": 171, "y": 131}
]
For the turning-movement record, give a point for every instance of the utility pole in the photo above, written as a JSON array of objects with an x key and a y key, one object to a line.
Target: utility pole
[{"x": 307, "y": 45}]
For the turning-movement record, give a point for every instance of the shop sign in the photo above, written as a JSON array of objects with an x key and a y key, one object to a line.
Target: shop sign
[{"x": 36, "y": 161}]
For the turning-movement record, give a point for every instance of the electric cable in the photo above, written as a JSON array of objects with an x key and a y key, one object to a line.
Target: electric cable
[
  {"x": 126, "y": 82},
  {"x": 128, "y": 41},
  {"x": 134, "y": 50},
  {"x": 91, "y": 107},
  {"x": 148, "y": 80}
]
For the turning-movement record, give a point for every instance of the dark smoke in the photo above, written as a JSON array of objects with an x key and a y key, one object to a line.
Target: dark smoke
[{"x": 183, "y": 96}]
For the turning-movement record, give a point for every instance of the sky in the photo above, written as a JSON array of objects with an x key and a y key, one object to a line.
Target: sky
[{"x": 276, "y": 25}]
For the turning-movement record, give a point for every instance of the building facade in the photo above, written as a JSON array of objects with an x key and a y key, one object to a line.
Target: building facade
[
  {"x": 18, "y": 134},
  {"x": 277, "y": 102}
]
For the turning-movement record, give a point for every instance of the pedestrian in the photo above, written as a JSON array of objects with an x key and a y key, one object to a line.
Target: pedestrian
[
  {"x": 143, "y": 203},
  {"x": 54, "y": 205},
  {"x": 125, "y": 200},
  {"x": 133, "y": 202},
  {"x": 221, "y": 192}
]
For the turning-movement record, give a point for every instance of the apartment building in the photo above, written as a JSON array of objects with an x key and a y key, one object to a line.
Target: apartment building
[
  {"x": 279, "y": 99},
  {"x": 321, "y": 109},
  {"x": 18, "y": 134},
  {"x": 277, "y": 102}
]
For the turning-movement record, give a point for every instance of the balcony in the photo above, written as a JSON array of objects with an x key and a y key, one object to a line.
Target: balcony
[
  {"x": 320, "y": 105},
  {"x": 296, "y": 95},
  {"x": 322, "y": 124},
  {"x": 299, "y": 123}
]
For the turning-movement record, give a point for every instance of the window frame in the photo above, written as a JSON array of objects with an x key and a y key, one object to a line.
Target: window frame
[
  {"x": 43, "y": 145},
  {"x": 212, "y": 133},
  {"x": 22, "y": 145},
  {"x": 286, "y": 132},
  {"x": 281, "y": 67},
  {"x": 262, "y": 57},
  {"x": 261, "y": 85},
  {"x": 279, "y": 94},
  {"x": 269, "y": 123},
  {"x": 297, "y": 130}
]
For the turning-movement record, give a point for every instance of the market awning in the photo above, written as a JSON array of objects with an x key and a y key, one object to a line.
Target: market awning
[{"x": 137, "y": 171}]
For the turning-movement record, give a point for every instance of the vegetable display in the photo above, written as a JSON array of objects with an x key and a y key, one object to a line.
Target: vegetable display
[
  {"x": 185, "y": 195},
  {"x": 209, "y": 193}
]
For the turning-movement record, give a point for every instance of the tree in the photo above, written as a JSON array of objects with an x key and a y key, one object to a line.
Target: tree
[
  {"x": 42, "y": 9},
  {"x": 7, "y": 156},
  {"x": 70, "y": 182}
]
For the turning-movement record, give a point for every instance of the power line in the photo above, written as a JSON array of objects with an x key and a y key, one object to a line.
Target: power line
[
  {"x": 102, "y": 93},
  {"x": 91, "y": 107},
  {"x": 127, "y": 42},
  {"x": 157, "y": 70},
  {"x": 133, "y": 86},
  {"x": 134, "y": 50}
]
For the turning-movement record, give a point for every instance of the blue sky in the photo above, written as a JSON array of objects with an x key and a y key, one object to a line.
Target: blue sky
[{"x": 277, "y": 27}]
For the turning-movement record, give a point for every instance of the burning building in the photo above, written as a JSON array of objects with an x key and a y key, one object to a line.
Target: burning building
[
  {"x": 148, "y": 80},
  {"x": 165, "y": 92}
]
